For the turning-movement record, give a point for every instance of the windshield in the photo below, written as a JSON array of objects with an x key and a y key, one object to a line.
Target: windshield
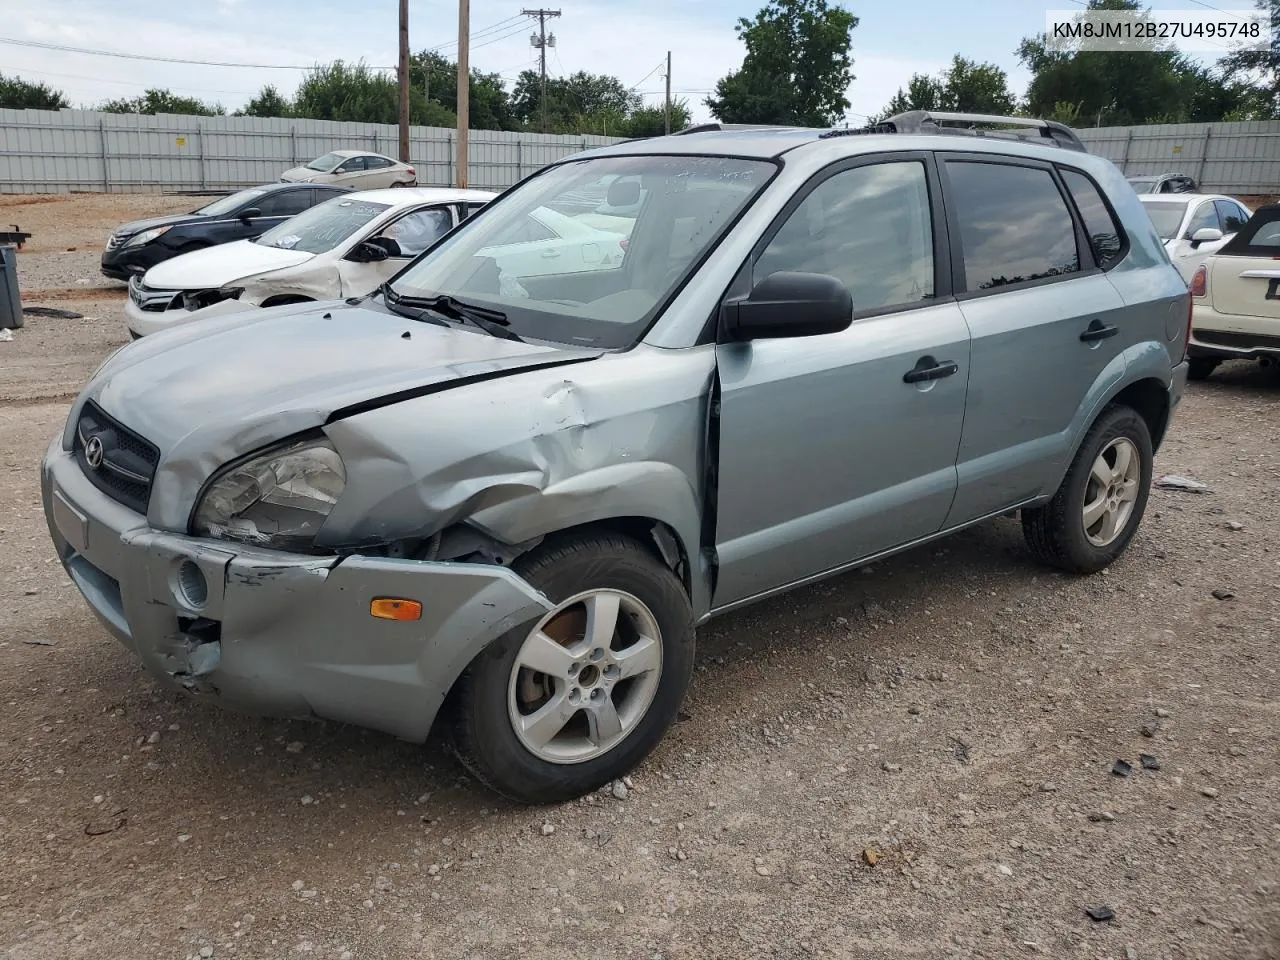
[
  {"x": 1143, "y": 186},
  {"x": 1167, "y": 217},
  {"x": 323, "y": 227},
  {"x": 228, "y": 204},
  {"x": 326, "y": 163},
  {"x": 585, "y": 278}
]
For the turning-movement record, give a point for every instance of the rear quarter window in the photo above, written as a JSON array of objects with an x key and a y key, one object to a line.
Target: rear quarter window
[{"x": 1106, "y": 236}]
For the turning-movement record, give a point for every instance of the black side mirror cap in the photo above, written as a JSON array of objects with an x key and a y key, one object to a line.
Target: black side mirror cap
[
  {"x": 367, "y": 252},
  {"x": 250, "y": 214},
  {"x": 789, "y": 305}
]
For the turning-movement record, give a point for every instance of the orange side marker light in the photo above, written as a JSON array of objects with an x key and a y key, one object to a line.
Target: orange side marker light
[{"x": 395, "y": 608}]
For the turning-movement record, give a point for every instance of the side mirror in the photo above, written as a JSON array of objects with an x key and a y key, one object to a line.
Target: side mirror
[
  {"x": 1206, "y": 235},
  {"x": 368, "y": 252},
  {"x": 250, "y": 214},
  {"x": 789, "y": 305}
]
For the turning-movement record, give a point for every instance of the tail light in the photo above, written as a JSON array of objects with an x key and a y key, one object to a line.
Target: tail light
[
  {"x": 413, "y": 172},
  {"x": 1200, "y": 281}
]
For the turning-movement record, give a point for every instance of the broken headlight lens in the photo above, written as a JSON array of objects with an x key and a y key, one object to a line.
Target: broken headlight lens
[{"x": 278, "y": 500}]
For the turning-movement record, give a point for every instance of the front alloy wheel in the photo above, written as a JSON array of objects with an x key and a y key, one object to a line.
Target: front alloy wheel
[
  {"x": 585, "y": 676},
  {"x": 553, "y": 710}
]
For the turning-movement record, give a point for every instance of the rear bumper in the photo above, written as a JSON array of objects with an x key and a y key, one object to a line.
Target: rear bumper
[
  {"x": 274, "y": 633},
  {"x": 1232, "y": 336}
]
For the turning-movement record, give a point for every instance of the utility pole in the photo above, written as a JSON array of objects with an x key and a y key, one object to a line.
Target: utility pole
[
  {"x": 464, "y": 89},
  {"x": 540, "y": 41},
  {"x": 404, "y": 81},
  {"x": 666, "y": 114}
]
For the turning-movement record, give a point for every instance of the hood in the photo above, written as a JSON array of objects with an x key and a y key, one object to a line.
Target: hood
[
  {"x": 210, "y": 392},
  {"x": 218, "y": 266},
  {"x": 137, "y": 226},
  {"x": 299, "y": 174}
]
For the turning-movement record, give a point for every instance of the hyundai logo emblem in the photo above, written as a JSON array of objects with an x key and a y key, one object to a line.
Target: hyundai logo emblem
[{"x": 93, "y": 453}]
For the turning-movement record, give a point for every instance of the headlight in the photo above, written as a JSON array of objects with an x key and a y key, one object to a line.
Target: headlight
[
  {"x": 278, "y": 500},
  {"x": 146, "y": 236}
]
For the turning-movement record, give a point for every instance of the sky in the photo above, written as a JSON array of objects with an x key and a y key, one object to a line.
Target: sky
[{"x": 626, "y": 38}]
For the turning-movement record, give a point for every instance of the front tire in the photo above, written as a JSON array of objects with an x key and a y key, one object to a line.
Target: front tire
[
  {"x": 1097, "y": 509},
  {"x": 552, "y": 712}
]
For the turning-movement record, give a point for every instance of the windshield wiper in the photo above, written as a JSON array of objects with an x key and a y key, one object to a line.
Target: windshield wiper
[
  {"x": 492, "y": 322},
  {"x": 393, "y": 301}
]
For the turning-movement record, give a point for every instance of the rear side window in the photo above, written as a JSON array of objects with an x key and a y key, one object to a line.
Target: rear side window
[
  {"x": 1105, "y": 235},
  {"x": 1014, "y": 224},
  {"x": 285, "y": 203},
  {"x": 869, "y": 227}
]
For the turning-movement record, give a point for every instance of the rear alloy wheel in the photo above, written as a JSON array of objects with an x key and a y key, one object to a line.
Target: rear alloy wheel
[
  {"x": 1098, "y": 507},
  {"x": 1201, "y": 368},
  {"x": 556, "y": 709},
  {"x": 398, "y": 183}
]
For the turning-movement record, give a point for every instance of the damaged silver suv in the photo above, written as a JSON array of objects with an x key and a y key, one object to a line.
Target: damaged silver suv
[{"x": 504, "y": 490}]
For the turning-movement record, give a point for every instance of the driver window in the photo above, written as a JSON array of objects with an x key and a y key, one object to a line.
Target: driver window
[
  {"x": 416, "y": 231},
  {"x": 870, "y": 227},
  {"x": 355, "y": 163}
]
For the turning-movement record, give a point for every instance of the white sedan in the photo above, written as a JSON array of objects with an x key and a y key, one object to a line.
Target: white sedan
[
  {"x": 344, "y": 247},
  {"x": 1235, "y": 297},
  {"x": 355, "y": 170},
  {"x": 1194, "y": 226}
]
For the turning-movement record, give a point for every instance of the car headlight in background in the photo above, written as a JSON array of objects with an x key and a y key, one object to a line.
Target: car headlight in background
[
  {"x": 146, "y": 236},
  {"x": 278, "y": 499}
]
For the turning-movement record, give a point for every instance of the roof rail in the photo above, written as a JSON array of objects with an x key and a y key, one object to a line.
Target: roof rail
[{"x": 932, "y": 122}]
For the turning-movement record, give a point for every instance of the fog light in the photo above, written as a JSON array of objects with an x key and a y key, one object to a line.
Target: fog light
[
  {"x": 395, "y": 608},
  {"x": 192, "y": 588}
]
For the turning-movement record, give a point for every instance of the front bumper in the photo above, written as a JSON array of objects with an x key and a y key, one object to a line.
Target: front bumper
[
  {"x": 142, "y": 323},
  {"x": 275, "y": 633},
  {"x": 122, "y": 263}
]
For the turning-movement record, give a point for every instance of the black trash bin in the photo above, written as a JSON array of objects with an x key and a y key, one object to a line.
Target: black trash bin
[{"x": 10, "y": 299}]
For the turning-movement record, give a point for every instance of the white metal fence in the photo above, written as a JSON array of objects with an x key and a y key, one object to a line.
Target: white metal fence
[
  {"x": 1233, "y": 158},
  {"x": 45, "y": 151}
]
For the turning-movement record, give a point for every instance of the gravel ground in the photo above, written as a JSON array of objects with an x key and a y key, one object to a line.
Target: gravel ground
[{"x": 913, "y": 761}]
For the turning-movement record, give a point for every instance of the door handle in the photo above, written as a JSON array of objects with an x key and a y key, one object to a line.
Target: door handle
[
  {"x": 550, "y": 254},
  {"x": 1097, "y": 330},
  {"x": 927, "y": 368}
]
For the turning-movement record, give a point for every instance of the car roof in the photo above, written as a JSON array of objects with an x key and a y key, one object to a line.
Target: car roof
[
  {"x": 294, "y": 185},
  {"x": 1166, "y": 197},
  {"x": 406, "y": 196}
]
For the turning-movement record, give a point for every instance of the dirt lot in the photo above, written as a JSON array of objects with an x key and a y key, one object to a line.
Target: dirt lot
[{"x": 913, "y": 761}]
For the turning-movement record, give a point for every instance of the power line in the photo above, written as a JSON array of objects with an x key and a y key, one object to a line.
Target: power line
[
  {"x": 660, "y": 65},
  {"x": 62, "y": 48},
  {"x": 506, "y": 36},
  {"x": 133, "y": 83},
  {"x": 479, "y": 34}
]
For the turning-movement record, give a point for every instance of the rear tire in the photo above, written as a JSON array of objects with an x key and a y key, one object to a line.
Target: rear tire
[
  {"x": 1097, "y": 509},
  {"x": 600, "y": 715},
  {"x": 1201, "y": 368}
]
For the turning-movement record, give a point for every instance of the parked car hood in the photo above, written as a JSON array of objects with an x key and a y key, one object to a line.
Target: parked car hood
[
  {"x": 210, "y": 392},
  {"x": 137, "y": 226},
  {"x": 299, "y": 174},
  {"x": 217, "y": 266}
]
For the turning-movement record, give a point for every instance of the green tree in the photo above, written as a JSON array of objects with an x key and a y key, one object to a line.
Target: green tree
[
  {"x": 1257, "y": 72},
  {"x": 1150, "y": 83},
  {"x": 163, "y": 101},
  {"x": 268, "y": 103},
  {"x": 19, "y": 94},
  {"x": 651, "y": 121},
  {"x": 965, "y": 86},
  {"x": 796, "y": 70},
  {"x": 436, "y": 77},
  {"x": 353, "y": 92},
  {"x": 580, "y": 103}
]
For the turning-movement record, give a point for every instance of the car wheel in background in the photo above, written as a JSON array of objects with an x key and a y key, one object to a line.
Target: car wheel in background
[{"x": 1201, "y": 368}]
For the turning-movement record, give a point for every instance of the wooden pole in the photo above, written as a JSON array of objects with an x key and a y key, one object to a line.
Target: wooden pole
[
  {"x": 404, "y": 81},
  {"x": 464, "y": 88}
]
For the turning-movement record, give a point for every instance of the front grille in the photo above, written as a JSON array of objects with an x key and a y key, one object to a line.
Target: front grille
[
  {"x": 114, "y": 241},
  {"x": 151, "y": 300},
  {"x": 124, "y": 464},
  {"x": 1239, "y": 341}
]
